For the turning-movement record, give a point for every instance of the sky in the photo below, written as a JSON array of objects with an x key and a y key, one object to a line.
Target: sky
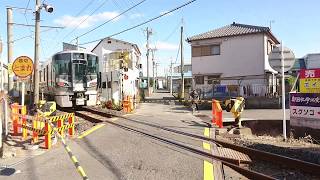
[{"x": 294, "y": 22}]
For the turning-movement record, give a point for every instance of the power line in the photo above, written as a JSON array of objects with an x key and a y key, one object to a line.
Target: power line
[
  {"x": 30, "y": 25},
  {"x": 86, "y": 18},
  {"x": 174, "y": 30},
  {"x": 31, "y": 35},
  {"x": 143, "y": 23},
  {"x": 111, "y": 19}
]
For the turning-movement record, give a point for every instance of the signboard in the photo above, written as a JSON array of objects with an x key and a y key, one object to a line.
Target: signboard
[
  {"x": 310, "y": 80},
  {"x": 275, "y": 58},
  {"x": 22, "y": 66},
  {"x": 305, "y": 110}
]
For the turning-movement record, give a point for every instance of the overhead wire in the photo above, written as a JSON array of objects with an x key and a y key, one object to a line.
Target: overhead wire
[
  {"x": 111, "y": 19},
  {"x": 143, "y": 23},
  {"x": 95, "y": 10}
]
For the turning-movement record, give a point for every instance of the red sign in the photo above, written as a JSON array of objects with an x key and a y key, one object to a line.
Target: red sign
[{"x": 309, "y": 73}]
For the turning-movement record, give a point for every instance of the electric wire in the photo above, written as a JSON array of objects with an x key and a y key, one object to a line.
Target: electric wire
[
  {"x": 143, "y": 23},
  {"x": 110, "y": 19},
  {"x": 85, "y": 19}
]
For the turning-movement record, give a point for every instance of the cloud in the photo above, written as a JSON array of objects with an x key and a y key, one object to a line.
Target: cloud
[
  {"x": 72, "y": 21},
  {"x": 136, "y": 15}
]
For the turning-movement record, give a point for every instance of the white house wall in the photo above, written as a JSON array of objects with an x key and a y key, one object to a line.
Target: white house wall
[
  {"x": 239, "y": 55},
  {"x": 103, "y": 50}
]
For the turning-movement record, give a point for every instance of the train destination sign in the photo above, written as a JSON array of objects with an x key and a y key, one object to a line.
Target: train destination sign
[{"x": 22, "y": 66}]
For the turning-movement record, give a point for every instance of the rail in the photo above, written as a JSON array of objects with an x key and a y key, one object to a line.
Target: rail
[{"x": 308, "y": 167}]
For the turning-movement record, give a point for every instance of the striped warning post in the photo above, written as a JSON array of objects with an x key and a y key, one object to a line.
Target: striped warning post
[{"x": 72, "y": 157}]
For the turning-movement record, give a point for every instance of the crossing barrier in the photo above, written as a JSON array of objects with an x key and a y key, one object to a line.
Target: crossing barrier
[
  {"x": 40, "y": 125},
  {"x": 217, "y": 113}
]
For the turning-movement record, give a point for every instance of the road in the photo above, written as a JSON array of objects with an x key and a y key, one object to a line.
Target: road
[{"x": 114, "y": 153}]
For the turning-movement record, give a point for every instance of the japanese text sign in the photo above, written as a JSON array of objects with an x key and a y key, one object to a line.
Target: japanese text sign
[
  {"x": 310, "y": 80},
  {"x": 22, "y": 66}
]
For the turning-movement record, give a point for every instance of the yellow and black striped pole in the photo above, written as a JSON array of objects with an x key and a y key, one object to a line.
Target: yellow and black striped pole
[{"x": 72, "y": 157}]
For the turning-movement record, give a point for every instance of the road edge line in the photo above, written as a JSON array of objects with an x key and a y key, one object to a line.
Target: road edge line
[{"x": 91, "y": 130}]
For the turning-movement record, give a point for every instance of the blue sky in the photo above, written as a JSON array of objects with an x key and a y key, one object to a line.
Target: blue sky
[{"x": 295, "y": 22}]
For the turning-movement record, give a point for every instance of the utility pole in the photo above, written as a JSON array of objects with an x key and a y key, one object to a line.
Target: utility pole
[
  {"x": 10, "y": 46},
  {"x": 182, "y": 64},
  {"x": 149, "y": 32},
  {"x": 1, "y": 64},
  {"x": 171, "y": 86},
  {"x": 36, "y": 53},
  {"x": 153, "y": 67}
]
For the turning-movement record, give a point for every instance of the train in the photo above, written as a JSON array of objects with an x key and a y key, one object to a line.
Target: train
[{"x": 70, "y": 78}]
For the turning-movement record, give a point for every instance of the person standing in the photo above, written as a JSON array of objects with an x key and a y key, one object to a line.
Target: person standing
[{"x": 194, "y": 98}]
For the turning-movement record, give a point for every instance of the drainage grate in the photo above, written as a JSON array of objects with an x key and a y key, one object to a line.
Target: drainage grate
[{"x": 232, "y": 154}]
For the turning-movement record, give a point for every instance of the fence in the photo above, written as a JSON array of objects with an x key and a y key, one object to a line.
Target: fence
[{"x": 39, "y": 125}]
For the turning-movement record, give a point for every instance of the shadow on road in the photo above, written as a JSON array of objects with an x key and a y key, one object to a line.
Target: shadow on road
[{"x": 92, "y": 150}]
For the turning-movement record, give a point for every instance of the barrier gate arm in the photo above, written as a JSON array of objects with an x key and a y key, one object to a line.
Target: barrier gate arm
[{"x": 72, "y": 157}]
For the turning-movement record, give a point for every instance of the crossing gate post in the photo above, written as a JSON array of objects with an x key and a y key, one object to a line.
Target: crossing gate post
[
  {"x": 71, "y": 121},
  {"x": 15, "y": 118},
  {"x": 24, "y": 122},
  {"x": 60, "y": 124},
  {"x": 217, "y": 113},
  {"x": 47, "y": 139}
]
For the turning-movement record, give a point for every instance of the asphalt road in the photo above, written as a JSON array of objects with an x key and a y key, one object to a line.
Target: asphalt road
[{"x": 114, "y": 153}]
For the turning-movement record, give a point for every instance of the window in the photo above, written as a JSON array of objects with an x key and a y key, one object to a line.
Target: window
[
  {"x": 215, "y": 50},
  {"x": 196, "y": 51},
  {"x": 212, "y": 79},
  {"x": 206, "y": 50},
  {"x": 199, "y": 79}
]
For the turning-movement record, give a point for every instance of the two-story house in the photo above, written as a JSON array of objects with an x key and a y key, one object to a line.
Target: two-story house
[
  {"x": 119, "y": 67},
  {"x": 234, "y": 55}
]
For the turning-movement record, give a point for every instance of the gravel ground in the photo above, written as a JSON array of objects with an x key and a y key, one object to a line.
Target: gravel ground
[
  {"x": 81, "y": 124},
  {"x": 299, "y": 149}
]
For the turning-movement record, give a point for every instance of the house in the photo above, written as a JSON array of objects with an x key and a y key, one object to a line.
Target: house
[
  {"x": 186, "y": 68},
  {"x": 176, "y": 78},
  {"x": 312, "y": 61},
  {"x": 235, "y": 55},
  {"x": 119, "y": 67}
]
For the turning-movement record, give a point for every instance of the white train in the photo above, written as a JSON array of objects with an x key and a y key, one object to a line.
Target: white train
[{"x": 70, "y": 78}]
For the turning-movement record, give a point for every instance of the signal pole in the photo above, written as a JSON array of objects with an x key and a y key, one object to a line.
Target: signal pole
[
  {"x": 182, "y": 65},
  {"x": 36, "y": 53},
  {"x": 149, "y": 32},
  {"x": 10, "y": 45}
]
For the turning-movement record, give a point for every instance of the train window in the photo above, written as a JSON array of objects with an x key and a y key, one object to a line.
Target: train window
[
  {"x": 92, "y": 64},
  {"x": 62, "y": 64}
]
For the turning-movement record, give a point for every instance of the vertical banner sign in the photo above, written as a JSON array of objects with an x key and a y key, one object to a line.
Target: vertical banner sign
[
  {"x": 310, "y": 80},
  {"x": 305, "y": 110}
]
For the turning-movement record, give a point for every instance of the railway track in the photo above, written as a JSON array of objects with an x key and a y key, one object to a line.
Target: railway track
[
  {"x": 234, "y": 164},
  {"x": 288, "y": 162}
]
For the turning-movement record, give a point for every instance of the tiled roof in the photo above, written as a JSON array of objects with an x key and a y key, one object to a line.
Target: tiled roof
[{"x": 233, "y": 29}]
